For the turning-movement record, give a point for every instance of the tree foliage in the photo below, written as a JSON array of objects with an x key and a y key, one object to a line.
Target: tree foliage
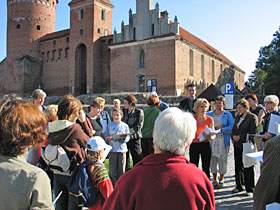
[
  {"x": 256, "y": 79},
  {"x": 269, "y": 62}
]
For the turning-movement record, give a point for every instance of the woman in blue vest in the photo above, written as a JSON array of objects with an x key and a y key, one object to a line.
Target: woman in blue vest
[{"x": 220, "y": 146}]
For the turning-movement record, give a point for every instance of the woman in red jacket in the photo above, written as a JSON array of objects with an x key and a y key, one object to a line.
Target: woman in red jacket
[{"x": 165, "y": 180}]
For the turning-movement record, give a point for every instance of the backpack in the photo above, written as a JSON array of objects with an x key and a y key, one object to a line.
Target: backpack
[
  {"x": 81, "y": 186},
  {"x": 56, "y": 158}
]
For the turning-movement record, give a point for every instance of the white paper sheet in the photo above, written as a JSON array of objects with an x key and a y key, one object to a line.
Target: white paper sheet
[
  {"x": 273, "y": 124},
  {"x": 256, "y": 155},
  {"x": 207, "y": 131}
]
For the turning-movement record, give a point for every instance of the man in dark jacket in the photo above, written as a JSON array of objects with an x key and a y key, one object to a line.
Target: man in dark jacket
[{"x": 187, "y": 103}]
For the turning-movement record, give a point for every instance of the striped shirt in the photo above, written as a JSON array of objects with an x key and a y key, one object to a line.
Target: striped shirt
[{"x": 99, "y": 173}]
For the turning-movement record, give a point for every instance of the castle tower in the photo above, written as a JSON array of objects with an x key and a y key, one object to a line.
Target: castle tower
[
  {"x": 28, "y": 20},
  {"x": 89, "y": 20},
  {"x": 143, "y": 22}
]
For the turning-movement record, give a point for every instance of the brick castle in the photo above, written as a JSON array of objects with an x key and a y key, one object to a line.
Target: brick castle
[{"x": 150, "y": 53}]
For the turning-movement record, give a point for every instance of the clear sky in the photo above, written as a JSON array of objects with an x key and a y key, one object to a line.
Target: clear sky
[{"x": 236, "y": 28}]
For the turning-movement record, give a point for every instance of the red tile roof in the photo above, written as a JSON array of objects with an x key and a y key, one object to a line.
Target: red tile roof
[
  {"x": 55, "y": 35},
  {"x": 187, "y": 36}
]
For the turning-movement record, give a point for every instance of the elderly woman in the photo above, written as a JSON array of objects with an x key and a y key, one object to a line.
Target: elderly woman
[
  {"x": 271, "y": 105},
  {"x": 223, "y": 120},
  {"x": 38, "y": 97},
  {"x": 23, "y": 186},
  {"x": 245, "y": 123},
  {"x": 166, "y": 179},
  {"x": 72, "y": 138},
  {"x": 134, "y": 118},
  {"x": 150, "y": 115},
  {"x": 201, "y": 146}
]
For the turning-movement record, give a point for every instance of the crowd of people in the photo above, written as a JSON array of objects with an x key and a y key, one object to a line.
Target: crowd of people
[{"x": 156, "y": 139}]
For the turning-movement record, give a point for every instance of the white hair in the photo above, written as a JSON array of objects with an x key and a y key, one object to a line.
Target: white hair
[
  {"x": 174, "y": 130},
  {"x": 272, "y": 98},
  {"x": 117, "y": 100}
]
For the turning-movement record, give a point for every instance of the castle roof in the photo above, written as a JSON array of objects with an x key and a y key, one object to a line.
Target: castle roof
[
  {"x": 187, "y": 36},
  {"x": 55, "y": 35}
]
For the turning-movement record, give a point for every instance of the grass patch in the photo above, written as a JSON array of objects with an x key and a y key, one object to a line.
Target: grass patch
[{"x": 107, "y": 164}]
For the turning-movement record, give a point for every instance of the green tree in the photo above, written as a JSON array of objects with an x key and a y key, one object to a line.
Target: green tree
[
  {"x": 269, "y": 61},
  {"x": 257, "y": 78}
]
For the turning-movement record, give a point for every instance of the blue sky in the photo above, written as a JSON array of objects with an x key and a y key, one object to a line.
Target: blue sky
[{"x": 237, "y": 28}]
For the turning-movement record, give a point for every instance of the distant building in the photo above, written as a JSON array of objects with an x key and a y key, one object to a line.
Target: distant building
[{"x": 150, "y": 53}]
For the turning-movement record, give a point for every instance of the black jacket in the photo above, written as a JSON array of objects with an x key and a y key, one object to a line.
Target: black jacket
[
  {"x": 135, "y": 121},
  {"x": 186, "y": 103}
]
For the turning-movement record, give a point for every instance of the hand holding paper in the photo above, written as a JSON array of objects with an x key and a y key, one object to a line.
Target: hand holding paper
[{"x": 208, "y": 131}]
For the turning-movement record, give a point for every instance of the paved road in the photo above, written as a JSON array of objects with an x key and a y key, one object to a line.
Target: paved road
[{"x": 225, "y": 199}]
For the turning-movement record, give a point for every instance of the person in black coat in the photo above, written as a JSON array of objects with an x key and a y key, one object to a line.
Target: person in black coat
[
  {"x": 134, "y": 118},
  {"x": 187, "y": 103}
]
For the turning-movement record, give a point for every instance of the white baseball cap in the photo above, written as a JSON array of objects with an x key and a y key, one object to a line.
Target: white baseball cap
[
  {"x": 154, "y": 93},
  {"x": 97, "y": 143}
]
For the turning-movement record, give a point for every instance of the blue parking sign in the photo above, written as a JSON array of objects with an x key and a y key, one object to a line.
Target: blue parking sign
[{"x": 229, "y": 88}]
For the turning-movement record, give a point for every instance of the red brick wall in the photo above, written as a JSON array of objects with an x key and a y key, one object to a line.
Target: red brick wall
[
  {"x": 55, "y": 73},
  {"x": 160, "y": 65}
]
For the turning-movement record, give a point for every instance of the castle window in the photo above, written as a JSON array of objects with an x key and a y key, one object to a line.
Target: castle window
[
  {"x": 103, "y": 16},
  {"x": 81, "y": 14},
  {"x": 66, "y": 52},
  {"x": 221, "y": 75},
  {"x": 106, "y": 32},
  {"x": 98, "y": 30},
  {"x": 134, "y": 33},
  {"x": 153, "y": 29},
  {"x": 38, "y": 27},
  {"x": 81, "y": 32},
  {"x": 18, "y": 26},
  {"x": 202, "y": 66},
  {"x": 48, "y": 56},
  {"x": 67, "y": 40},
  {"x": 54, "y": 42},
  {"x": 191, "y": 62},
  {"x": 142, "y": 60},
  {"x": 213, "y": 71},
  {"x": 53, "y": 54},
  {"x": 59, "y": 53}
]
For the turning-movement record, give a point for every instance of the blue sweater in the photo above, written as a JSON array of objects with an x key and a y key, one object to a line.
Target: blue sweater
[
  {"x": 228, "y": 122},
  {"x": 118, "y": 144}
]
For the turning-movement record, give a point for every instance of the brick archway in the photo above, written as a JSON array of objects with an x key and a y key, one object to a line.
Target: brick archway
[{"x": 81, "y": 69}]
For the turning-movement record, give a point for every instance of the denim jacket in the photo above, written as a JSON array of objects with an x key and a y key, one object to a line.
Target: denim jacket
[{"x": 228, "y": 122}]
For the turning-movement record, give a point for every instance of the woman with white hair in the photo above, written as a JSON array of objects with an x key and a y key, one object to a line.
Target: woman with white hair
[
  {"x": 271, "y": 105},
  {"x": 166, "y": 179}
]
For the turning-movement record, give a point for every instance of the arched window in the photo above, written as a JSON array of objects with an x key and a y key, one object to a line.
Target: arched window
[
  {"x": 191, "y": 62},
  {"x": 213, "y": 71},
  {"x": 202, "y": 66},
  {"x": 221, "y": 75},
  {"x": 142, "y": 59}
]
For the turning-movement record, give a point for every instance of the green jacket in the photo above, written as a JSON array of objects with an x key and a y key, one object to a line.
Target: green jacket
[{"x": 150, "y": 115}]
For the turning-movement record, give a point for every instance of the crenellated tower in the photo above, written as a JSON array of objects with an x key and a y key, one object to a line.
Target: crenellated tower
[{"x": 28, "y": 20}]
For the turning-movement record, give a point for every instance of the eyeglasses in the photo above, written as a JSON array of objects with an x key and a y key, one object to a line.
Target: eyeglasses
[
  {"x": 268, "y": 102},
  {"x": 203, "y": 106}
]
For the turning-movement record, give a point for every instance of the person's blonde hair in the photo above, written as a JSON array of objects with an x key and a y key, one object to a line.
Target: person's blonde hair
[
  {"x": 51, "y": 112},
  {"x": 100, "y": 100},
  {"x": 199, "y": 102}
]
